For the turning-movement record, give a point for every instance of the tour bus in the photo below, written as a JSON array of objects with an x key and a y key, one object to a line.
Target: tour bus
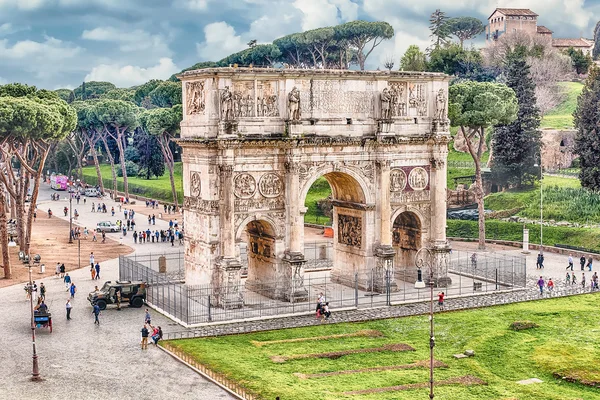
[{"x": 58, "y": 182}]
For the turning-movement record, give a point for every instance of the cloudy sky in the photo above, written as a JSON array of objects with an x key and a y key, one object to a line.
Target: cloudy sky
[{"x": 60, "y": 43}]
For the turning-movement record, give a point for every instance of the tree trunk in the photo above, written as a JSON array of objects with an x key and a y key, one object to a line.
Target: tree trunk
[
  {"x": 122, "y": 159},
  {"x": 476, "y": 155},
  {"x": 20, "y": 208},
  {"x": 4, "y": 236},
  {"x": 34, "y": 196},
  {"x": 111, "y": 159},
  {"x": 92, "y": 144},
  {"x": 163, "y": 140}
]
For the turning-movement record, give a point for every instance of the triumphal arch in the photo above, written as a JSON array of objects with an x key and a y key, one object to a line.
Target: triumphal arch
[{"x": 255, "y": 140}]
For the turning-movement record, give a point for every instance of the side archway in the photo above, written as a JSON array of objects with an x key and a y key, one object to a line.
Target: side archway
[{"x": 407, "y": 239}]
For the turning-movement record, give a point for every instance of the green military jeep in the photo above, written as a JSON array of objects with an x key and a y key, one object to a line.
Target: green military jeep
[{"x": 133, "y": 293}]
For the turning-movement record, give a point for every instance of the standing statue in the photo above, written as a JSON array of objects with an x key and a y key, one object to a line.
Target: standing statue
[
  {"x": 386, "y": 101},
  {"x": 226, "y": 104},
  {"x": 294, "y": 104},
  {"x": 440, "y": 105}
]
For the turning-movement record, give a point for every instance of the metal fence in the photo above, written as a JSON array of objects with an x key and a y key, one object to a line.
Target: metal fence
[
  {"x": 199, "y": 304},
  {"x": 318, "y": 255},
  {"x": 461, "y": 164}
]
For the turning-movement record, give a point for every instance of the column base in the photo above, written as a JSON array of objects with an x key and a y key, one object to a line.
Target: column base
[
  {"x": 227, "y": 292},
  {"x": 293, "y": 289},
  {"x": 384, "y": 270}
]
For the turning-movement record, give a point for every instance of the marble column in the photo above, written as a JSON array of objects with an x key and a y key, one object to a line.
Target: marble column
[
  {"x": 383, "y": 279},
  {"x": 439, "y": 245}
]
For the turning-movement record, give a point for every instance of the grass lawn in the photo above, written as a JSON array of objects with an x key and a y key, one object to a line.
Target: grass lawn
[
  {"x": 561, "y": 117},
  {"x": 566, "y": 342},
  {"x": 318, "y": 191},
  {"x": 156, "y": 188}
]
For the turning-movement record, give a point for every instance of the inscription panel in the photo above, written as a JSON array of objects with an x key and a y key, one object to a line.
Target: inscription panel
[{"x": 333, "y": 96}]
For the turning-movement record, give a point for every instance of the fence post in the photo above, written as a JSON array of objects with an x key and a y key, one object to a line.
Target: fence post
[
  {"x": 496, "y": 278},
  {"x": 356, "y": 289},
  {"x": 209, "y": 316}
]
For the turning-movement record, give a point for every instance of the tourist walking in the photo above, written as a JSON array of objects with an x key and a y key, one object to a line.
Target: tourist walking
[
  {"x": 98, "y": 271},
  {"x": 57, "y": 272},
  {"x": 568, "y": 279},
  {"x": 94, "y": 238},
  {"x": 92, "y": 258},
  {"x": 540, "y": 261},
  {"x": 441, "y": 296},
  {"x": 550, "y": 285},
  {"x": 68, "y": 307},
  {"x": 103, "y": 237},
  {"x": 326, "y": 311},
  {"x": 72, "y": 290},
  {"x": 147, "y": 319},
  {"x": 589, "y": 264},
  {"x": 42, "y": 291},
  {"x": 96, "y": 312},
  {"x": 67, "y": 280},
  {"x": 582, "y": 261},
  {"x": 93, "y": 272},
  {"x": 541, "y": 284},
  {"x": 62, "y": 270},
  {"x": 583, "y": 280},
  {"x": 573, "y": 280},
  {"x": 144, "y": 338},
  {"x": 570, "y": 262}
]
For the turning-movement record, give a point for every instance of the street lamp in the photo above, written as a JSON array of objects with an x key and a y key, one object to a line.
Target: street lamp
[
  {"x": 424, "y": 259},
  {"x": 35, "y": 375},
  {"x": 70, "y": 213},
  {"x": 541, "y": 202}
]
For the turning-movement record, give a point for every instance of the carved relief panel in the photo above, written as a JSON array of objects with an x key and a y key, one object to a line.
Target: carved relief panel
[
  {"x": 266, "y": 99},
  {"x": 398, "y": 99},
  {"x": 418, "y": 179},
  {"x": 195, "y": 188},
  {"x": 270, "y": 185},
  {"x": 397, "y": 180},
  {"x": 417, "y": 99},
  {"x": 195, "y": 98},
  {"x": 349, "y": 230},
  {"x": 267, "y": 194},
  {"x": 243, "y": 99},
  {"x": 244, "y": 186}
]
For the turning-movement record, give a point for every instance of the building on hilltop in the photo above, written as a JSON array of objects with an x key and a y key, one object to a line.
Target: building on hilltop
[{"x": 509, "y": 20}]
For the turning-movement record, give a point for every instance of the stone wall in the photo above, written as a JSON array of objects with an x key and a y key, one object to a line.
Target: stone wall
[{"x": 558, "y": 148}]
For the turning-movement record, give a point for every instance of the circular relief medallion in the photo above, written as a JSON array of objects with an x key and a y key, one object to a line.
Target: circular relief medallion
[
  {"x": 244, "y": 186},
  {"x": 195, "y": 184},
  {"x": 397, "y": 180},
  {"x": 418, "y": 178},
  {"x": 270, "y": 185}
]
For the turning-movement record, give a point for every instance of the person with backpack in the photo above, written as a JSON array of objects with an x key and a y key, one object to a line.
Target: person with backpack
[
  {"x": 541, "y": 285},
  {"x": 66, "y": 279},
  {"x": 145, "y": 334}
]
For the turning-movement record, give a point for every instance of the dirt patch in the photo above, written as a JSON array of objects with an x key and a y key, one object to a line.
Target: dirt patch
[
  {"x": 572, "y": 379},
  {"x": 467, "y": 380},
  {"x": 523, "y": 325},
  {"x": 50, "y": 239},
  {"x": 337, "y": 354},
  {"x": 418, "y": 364},
  {"x": 361, "y": 333}
]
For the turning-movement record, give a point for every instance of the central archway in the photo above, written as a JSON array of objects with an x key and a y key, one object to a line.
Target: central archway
[
  {"x": 352, "y": 221},
  {"x": 407, "y": 239}
]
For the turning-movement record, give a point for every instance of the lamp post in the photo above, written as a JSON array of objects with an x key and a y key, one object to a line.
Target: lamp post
[
  {"x": 35, "y": 375},
  {"x": 424, "y": 259},
  {"x": 541, "y": 202},
  {"x": 70, "y": 212}
]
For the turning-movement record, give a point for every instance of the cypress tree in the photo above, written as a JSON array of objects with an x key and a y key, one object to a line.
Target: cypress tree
[
  {"x": 516, "y": 146},
  {"x": 587, "y": 122}
]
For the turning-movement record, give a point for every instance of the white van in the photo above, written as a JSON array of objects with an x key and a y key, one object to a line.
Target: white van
[{"x": 91, "y": 192}]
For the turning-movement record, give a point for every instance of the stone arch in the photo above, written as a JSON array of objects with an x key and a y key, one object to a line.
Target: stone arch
[
  {"x": 408, "y": 236},
  {"x": 241, "y": 226},
  {"x": 338, "y": 175},
  {"x": 263, "y": 248},
  {"x": 353, "y": 220}
]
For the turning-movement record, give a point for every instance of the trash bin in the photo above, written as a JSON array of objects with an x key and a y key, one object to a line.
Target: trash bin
[
  {"x": 162, "y": 264},
  {"x": 42, "y": 268}
]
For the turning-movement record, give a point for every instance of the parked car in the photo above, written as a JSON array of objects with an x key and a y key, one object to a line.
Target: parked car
[
  {"x": 91, "y": 192},
  {"x": 107, "y": 226},
  {"x": 133, "y": 293}
]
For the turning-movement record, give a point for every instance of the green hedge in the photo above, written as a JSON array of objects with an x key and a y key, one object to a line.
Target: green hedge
[{"x": 500, "y": 230}]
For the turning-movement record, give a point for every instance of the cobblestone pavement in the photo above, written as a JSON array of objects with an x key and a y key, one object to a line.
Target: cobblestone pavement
[{"x": 79, "y": 360}]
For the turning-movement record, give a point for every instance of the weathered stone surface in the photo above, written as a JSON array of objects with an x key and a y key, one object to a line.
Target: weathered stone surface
[
  {"x": 529, "y": 381},
  {"x": 459, "y": 356},
  {"x": 469, "y": 353},
  {"x": 255, "y": 140}
]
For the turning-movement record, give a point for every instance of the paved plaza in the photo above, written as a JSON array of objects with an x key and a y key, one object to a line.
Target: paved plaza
[{"x": 82, "y": 361}]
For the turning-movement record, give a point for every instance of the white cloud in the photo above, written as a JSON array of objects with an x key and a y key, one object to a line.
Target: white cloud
[
  {"x": 194, "y": 5},
  {"x": 220, "y": 40},
  {"x": 51, "y": 49},
  {"x": 129, "y": 41},
  {"x": 130, "y": 75},
  {"x": 25, "y": 5},
  {"x": 319, "y": 13}
]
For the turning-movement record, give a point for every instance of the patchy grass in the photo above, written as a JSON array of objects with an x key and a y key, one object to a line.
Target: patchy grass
[
  {"x": 418, "y": 364},
  {"x": 561, "y": 117},
  {"x": 361, "y": 333},
  {"x": 568, "y": 340},
  {"x": 523, "y": 325},
  {"x": 334, "y": 355}
]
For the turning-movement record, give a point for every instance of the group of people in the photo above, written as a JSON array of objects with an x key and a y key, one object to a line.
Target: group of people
[
  {"x": 99, "y": 208},
  {"x": 571, "y": 279},
  {"x": 582, "y": 262},
  {"x": 165, "y": 236},
  {"x": 76, "y": 233},
  {"x": 322, "y": 308},
  {"x": 148, "y": 330}
]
